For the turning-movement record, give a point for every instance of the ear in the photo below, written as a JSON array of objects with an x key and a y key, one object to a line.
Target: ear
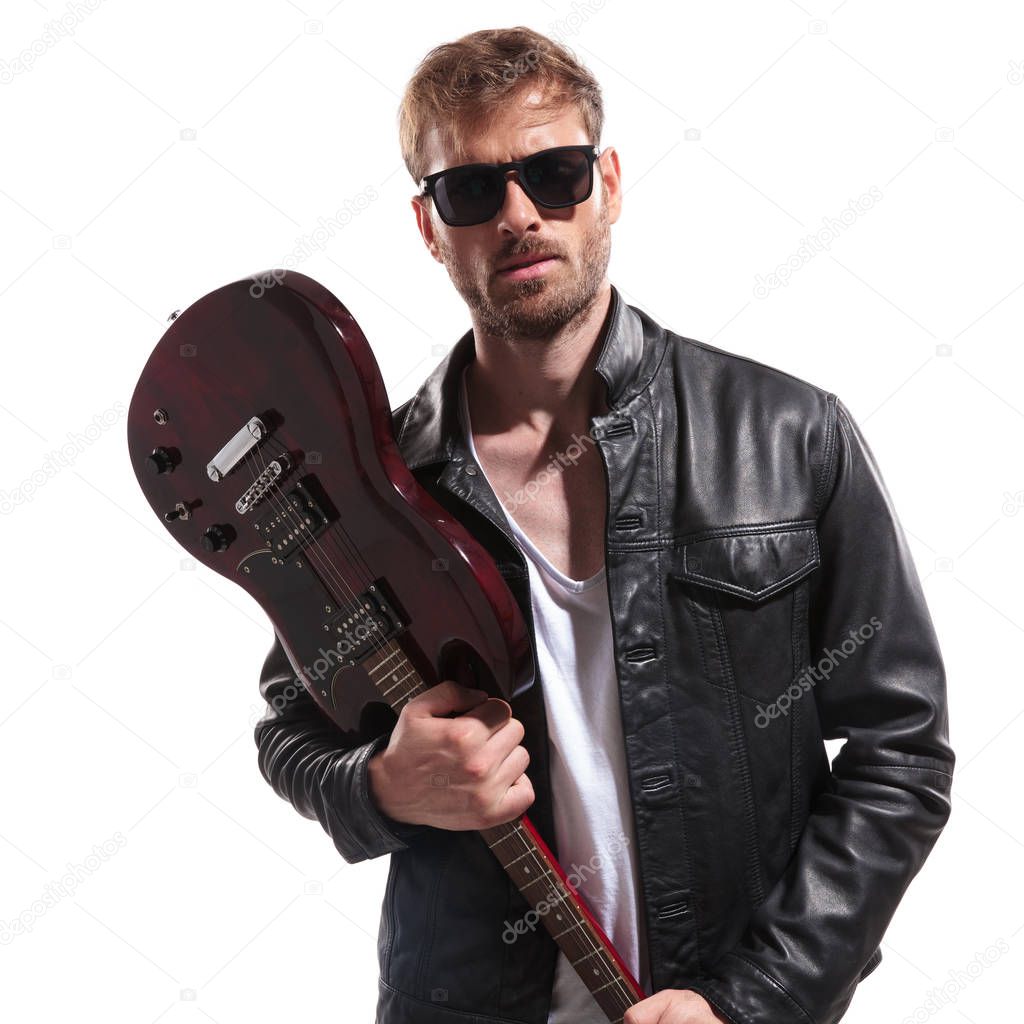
[
  {"x": 425, "y": 224},
  {"x": 608, "y": 168}
]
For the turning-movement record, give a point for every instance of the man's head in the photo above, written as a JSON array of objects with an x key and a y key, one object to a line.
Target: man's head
[{"x": 490, "y": 97}]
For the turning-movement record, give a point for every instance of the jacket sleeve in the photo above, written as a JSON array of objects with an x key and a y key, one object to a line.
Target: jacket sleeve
[
  {"x": 868, "y": 834},
  {"x": 321, "y": 769}
]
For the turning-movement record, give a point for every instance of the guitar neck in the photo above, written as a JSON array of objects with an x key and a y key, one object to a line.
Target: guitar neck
[{"x": 533, "y": 868}]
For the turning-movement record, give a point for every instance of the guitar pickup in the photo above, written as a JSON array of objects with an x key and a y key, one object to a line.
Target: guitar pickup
[
  {"x": 362, "y": 627},
  {"x": 300, "y": 519}
]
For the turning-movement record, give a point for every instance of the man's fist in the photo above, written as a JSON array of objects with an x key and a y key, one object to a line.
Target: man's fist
[
  {"x": 673, "y": 1006},
  {"x": 459, "y": 773}
]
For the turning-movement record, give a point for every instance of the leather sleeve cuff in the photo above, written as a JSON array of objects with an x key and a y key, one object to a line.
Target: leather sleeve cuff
[
  {"x": 376, "y": 832},
  {"x": 744, "y": 994}
]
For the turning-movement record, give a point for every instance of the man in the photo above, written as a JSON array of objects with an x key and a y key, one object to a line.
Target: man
[{"x": 715, "y": 581}]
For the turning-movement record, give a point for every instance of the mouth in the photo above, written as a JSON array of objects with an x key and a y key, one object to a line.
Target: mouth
[{"x": 527, "y": 266}]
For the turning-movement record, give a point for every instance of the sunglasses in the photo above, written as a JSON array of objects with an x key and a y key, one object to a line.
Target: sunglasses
[{"x": 474, "y": 193}]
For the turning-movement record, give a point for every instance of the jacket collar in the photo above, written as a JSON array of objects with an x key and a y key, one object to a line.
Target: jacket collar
[{"x": 431, "y": 427}]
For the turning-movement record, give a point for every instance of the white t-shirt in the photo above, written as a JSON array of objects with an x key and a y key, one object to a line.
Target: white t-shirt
[{"x": 593, "y": 815}]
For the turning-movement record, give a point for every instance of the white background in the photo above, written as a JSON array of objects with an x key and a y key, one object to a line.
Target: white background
[{"x": 158, "y": 151}]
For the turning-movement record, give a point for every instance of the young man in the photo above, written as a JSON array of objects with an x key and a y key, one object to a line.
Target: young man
[{"x": 715, "y": 581}]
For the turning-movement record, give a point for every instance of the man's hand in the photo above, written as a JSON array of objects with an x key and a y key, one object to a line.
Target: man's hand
[
  {"x": 673, "y": 1006},
  {"x": 462, "y": 772}
]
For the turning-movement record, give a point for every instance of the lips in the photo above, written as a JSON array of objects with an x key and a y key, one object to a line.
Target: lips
[{"x": 525, "y": 261}]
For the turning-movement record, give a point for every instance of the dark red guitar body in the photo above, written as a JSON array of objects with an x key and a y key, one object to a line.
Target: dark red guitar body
[{"x": 297, "y": 360}]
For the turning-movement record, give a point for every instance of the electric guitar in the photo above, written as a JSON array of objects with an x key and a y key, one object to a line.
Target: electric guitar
[{"x": 260, "y": 433}]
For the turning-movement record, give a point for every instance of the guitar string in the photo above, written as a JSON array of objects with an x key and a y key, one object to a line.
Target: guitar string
[
  {"x": 314, "y": 550},
  {"x": 285, "y": 510}
]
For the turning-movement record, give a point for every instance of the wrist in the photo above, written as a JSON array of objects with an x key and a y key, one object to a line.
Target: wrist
[{"x": 378, "y": 784}]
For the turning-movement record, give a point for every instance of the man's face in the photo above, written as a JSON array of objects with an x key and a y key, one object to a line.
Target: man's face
[{"x": 579, "y": 236}]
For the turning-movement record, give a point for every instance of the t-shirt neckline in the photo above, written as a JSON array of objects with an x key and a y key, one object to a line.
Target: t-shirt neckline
[{"x": 570, "y": 584}]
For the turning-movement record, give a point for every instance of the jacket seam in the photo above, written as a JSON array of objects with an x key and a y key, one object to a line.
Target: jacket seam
[
  {"x": 798, "y": 609},
  {"x": 741, "y": 749},
  {"x": 905, "y": 767},
  {"x": 429, "y": 934},
  {"x": 736, "y": 530},
  {"x": 684, "y": 824},
  {"x": 773, "y": 981},
  {"x": 408, "y": 416},
  {"x": 765, "y": 591},
  {"x": 832, "y": 429}
]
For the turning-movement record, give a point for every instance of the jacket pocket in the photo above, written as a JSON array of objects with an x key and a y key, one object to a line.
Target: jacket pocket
[
  {"x": 754, "y": 564},
  {"x": 741, "y": 588},
  {"x": 738, "y": 613}
]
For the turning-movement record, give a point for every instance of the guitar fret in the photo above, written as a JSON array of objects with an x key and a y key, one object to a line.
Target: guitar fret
[
  {"x": 400, "y": 681},
  {"x": 534, "y": 881},
  {"x": 529, "y": 853},
  {"x": 571, "y": 928},
  {"x": 395, "y": 653},
  {"x": 502, "y": 839},
  {"x": 585, "y": 956}
]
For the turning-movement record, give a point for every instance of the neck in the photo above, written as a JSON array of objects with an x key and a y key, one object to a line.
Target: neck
[{"x": 540, "y": 387}]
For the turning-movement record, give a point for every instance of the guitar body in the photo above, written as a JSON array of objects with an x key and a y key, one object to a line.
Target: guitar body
[
  {"x": 297, "y": 361},
  {"x": 261, "y": 434}
]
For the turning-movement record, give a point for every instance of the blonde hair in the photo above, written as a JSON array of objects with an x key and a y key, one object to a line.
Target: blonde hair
[{"x": 458, "y": 85}]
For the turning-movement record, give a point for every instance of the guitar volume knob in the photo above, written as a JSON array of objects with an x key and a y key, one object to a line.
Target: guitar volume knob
[
  {"x": 160, "y": 460},
  {"x": 216, "y": 538}
]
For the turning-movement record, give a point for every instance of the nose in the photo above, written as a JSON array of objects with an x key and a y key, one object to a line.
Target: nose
[{"x": 518, "y": 212}]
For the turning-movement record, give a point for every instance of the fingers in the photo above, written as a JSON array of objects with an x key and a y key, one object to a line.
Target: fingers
[
  {"x": 443, "y": 699},
  {"x": 516, "y": 801},
  {"x": 493, "y": 712},
  {"x": 512, "y": 767}
]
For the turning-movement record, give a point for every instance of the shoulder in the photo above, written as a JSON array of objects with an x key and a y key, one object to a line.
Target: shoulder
[
  {"x": 745, "y": 418},
  {"x": 706, "y": 369}
]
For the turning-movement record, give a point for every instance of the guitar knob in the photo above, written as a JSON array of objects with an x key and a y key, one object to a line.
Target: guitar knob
[
  {"x": 159, "y": 460},
  {"x": 215, "y": 538}
]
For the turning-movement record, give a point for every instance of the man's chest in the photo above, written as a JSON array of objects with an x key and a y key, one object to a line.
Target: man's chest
[{"x": 558, "y": 503}]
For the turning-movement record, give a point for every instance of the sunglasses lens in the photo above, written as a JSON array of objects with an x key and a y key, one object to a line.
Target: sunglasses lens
[
  {"x": 559, "y": 179},
  {"x": 469, "y": 196}
]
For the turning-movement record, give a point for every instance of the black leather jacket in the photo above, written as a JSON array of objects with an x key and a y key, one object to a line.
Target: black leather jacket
[{"x": 763, "y": 598}]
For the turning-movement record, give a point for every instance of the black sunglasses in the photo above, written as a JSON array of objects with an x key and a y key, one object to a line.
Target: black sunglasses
[{"x": 474, "y": 193}]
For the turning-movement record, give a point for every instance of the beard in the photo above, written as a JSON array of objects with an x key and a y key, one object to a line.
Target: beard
[{"x": 538, "y": 307}]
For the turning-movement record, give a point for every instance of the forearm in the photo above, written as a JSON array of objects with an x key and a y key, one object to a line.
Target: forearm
[{"x": 320, "y": 769}]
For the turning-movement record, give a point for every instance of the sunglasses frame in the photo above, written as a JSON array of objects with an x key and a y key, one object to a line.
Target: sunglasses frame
[{"x": 428, "y": 182}]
